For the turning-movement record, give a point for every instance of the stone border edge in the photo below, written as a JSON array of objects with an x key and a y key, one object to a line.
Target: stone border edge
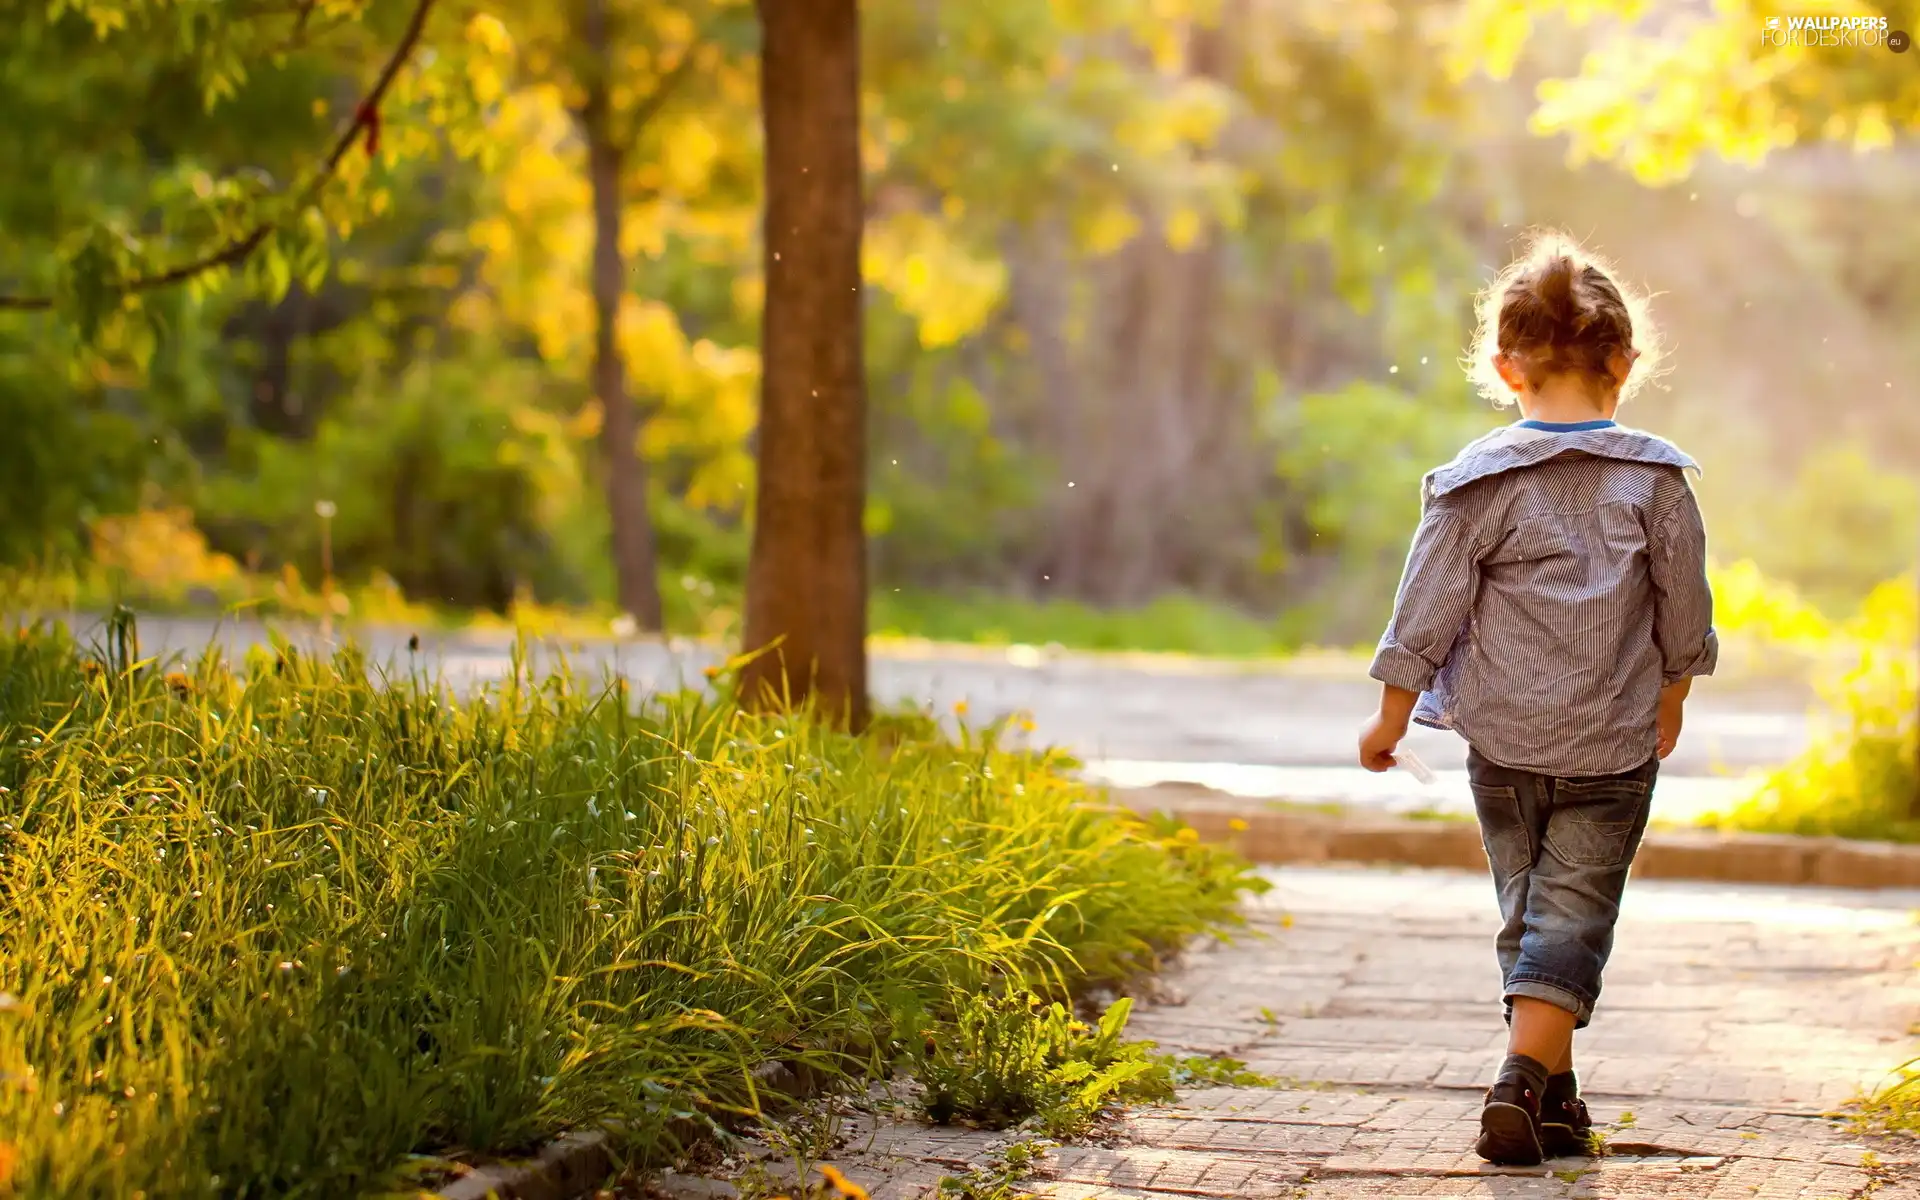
[
  {"x": 570, "y": 1165},
  {"x": 1268, "y": 835}
]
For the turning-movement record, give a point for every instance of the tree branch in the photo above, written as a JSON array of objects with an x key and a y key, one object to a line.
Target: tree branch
[
  {"x": 649, "y": 108},
  {"x": 657, "y": 99},
  {"x": 366, "y": 116}
]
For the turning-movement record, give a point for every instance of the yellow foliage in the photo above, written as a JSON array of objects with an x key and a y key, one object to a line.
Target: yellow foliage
[
  {"x": 643, "y": 232},
  {"x": 1860, "y": 778},
  {"x": 536, "y": 244},
  {"x": 1197, "y": 111},
  {"x": 691, "y": 150},
  {"x": 484, "y": 77},
  {"x": 159, "y": 551},
  {"x": 658, "y": 358},
  {"x": 1872, "y": 131},
  {"x": 1112, "y": 226},
  {"x": 490, "y": 34},
  {"x": 1887, "y": 617},
  {"x": 1706, "y": 83},
  {"x": 539, "y": 240},
  {"x": 107, "y": 19},
  {"x": 942, "y": 284},
  {"x": 749, "y": 292},
  {"x": 1189, "y": 117},
  {"x": 1184, "y": 228},
  {"x": 1748, "y": 604},
  {"x": 672, "y": 25},
  {"x": 586, "y": 422},
  {"x": 1488, "y": 36},
  {"x": 1168, "y": 48}
]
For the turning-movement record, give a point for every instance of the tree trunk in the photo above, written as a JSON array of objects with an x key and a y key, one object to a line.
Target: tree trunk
[
  {"x": 636, "y": 578},
  {"x": 807, "y": 575}
]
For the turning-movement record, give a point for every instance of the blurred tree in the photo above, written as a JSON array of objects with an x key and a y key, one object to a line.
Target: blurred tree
[
  {"x": 1126, "y": 218},
  {"x": 163, "y": 152},
  {"x": 616, "y": 65},
  {"x": 806, "y": 605},
  {"x": 1122, "y": 261},
  {"x": 189, "y": 74}
]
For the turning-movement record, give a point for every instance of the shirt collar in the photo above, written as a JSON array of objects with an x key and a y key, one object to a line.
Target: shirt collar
[
  {"x": 1515, "y": 446},
  {"x": 1567, "y": 426}
]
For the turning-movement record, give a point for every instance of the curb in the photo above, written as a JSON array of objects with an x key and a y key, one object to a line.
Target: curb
[
  {"x": 568, "y": 1166},
  {"x": 1267, "y": 835},
  {"x": 579, "y": 1163}
]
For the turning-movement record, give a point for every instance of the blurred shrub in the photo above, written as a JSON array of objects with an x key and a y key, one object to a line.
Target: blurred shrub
[
  {"x": 694, "y": 542},
  {"x": 1842, "y": 526},
  {"x": 68, "y": 454},
  {"x": 453, "y": 481},
  {"x": 1859, "y": 778},
  {"x": 1355, "y": 458},
  {"x": 1767, "y": 628},
  {"x": 161, "y": 554}
]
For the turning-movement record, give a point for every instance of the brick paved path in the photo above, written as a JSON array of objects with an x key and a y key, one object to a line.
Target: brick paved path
[{"x": 1733, "y": 1018}]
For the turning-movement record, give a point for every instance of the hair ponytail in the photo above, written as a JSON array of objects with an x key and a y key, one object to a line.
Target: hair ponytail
[
  {"x": 1558, "y": 310},
  {"x": 1554, "y": 291}
]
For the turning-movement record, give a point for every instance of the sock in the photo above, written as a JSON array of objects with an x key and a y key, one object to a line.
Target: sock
[
  {"x": 1563, "y": 1086},
  {"x": 1530, "y": 1070}
]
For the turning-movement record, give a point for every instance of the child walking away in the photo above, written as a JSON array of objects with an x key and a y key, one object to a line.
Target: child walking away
[{"x": 1553, "y": 612}]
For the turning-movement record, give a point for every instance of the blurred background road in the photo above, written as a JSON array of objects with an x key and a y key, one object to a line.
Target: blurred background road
[{"x": 1280, "y": 730}]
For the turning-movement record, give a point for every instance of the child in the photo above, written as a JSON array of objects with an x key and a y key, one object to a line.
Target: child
[{"x": 1553, "y": 612}]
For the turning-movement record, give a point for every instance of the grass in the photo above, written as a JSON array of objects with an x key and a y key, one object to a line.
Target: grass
[
  {"x": 1894, "y": 1108},
  {"x": 1006, "y": 1060},
  {"x": 999, "y": 1179},
  {"x": 1172, "y": 624},
  {"x": 281, "y": 930}
]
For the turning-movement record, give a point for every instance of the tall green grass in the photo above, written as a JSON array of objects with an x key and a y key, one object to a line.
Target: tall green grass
[{"x": 279, "y": 930}]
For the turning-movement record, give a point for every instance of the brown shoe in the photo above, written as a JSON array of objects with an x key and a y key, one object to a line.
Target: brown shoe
[
  {"x": 1510, "y": 1125},
  {"x": 1566, "y": 1128}
]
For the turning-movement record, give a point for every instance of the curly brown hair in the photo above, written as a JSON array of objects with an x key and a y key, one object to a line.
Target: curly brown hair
[{"x": 1560, "y": 309}]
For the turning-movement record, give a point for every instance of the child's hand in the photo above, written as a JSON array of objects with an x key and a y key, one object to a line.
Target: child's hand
[
  {"x": 1378, "y": 738},
  {"x": 1673, "y": 699},
  {"x": 1669, "y": 721}
]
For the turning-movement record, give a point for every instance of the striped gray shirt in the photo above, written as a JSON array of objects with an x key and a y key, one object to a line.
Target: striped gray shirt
[{"x": 1556, "y": 583}]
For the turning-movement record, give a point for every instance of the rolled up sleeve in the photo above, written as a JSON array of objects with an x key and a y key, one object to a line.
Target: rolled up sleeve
[
  {"x": 1436, "y": 595},
  {"x": 1683, "y": 601}
]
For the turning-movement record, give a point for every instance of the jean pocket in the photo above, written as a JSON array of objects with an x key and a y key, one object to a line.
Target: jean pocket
[
  {"x": 1596, "y": 823},
  {"x": 1502, "y": 832}
]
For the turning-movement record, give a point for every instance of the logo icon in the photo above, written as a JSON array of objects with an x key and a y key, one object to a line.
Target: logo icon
[
  {"x": 1773, "y": 22},
  {"x": 1898, "y": 41}
]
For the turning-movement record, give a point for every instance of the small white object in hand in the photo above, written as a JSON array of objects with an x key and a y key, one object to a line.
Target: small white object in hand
[{"x": 1416, "y": 768}]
